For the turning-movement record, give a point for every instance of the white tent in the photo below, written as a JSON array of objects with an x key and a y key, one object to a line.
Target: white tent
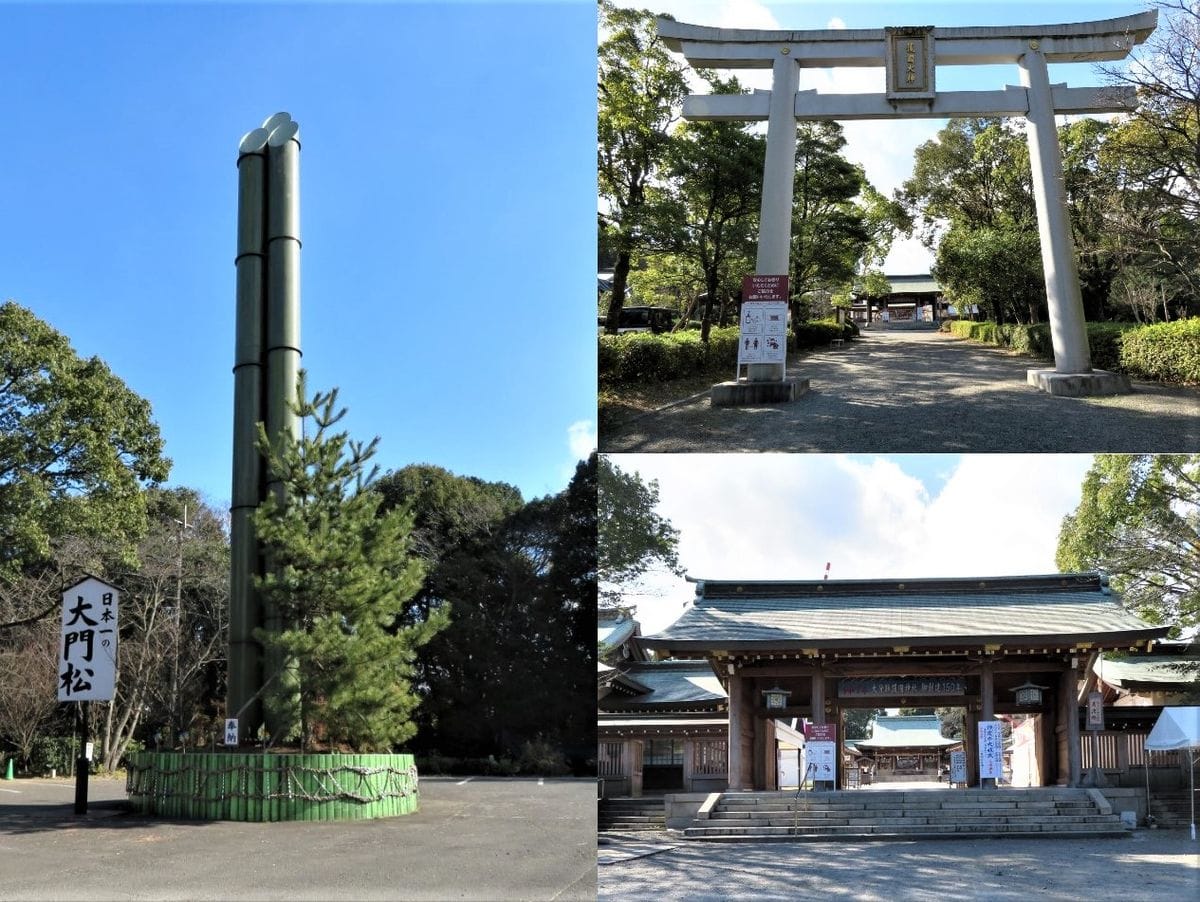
[{"x": 1178, "y": 729}]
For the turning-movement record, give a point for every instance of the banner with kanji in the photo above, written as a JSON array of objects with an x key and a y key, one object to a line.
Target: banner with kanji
[{"x": 87, "y": 651}]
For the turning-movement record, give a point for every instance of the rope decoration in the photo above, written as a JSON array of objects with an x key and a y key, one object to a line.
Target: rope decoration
[{"x": 293, "y": 782}]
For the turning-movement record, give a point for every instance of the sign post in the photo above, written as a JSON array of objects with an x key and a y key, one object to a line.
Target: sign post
[
  {"x": 763, "y": 336},
  {"x": 1095, "y": 724},
  {"x": 820, "y": 754},
  {"x": 991, "y": 752},
  {"x": 87, "y": 661},
  {"x": 958, "y": 767}
]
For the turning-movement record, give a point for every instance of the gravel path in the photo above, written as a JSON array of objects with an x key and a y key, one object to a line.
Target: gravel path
[
  {"x": 1159, "y": 864},
  {"x": 922, "y": 392}
]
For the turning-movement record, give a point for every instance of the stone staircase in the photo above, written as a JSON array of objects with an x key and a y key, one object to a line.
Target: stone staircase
[
  {"x": 631, "y": 815},
  {"x": 1173, "y": 808},
  {"x": 898, "y": 814}
]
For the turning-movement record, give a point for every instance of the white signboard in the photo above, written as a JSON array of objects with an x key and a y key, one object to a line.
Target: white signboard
[
  {"x": 764, "y": 332},
  {"x": 991, "y": 750},
  {"x": 958, "y": 766},
  {"x": 231, "y": 731},
  {"x": 87, "y": 651},
  {"x": 820, "y": 760}
]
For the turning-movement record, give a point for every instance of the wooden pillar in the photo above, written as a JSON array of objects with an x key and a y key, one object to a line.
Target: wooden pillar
[
  {"x": 971, "y": 744},
  {"x": 689, "y": 752},
  {"x": 737, "y": 717},
  {"x": 769, "y": 757},
  {"x": 1068, "y": 712},
  {"x": 634, "y": 749},
  {"x": 818, "y": 695},
  {"x": 987, "y": 707}
]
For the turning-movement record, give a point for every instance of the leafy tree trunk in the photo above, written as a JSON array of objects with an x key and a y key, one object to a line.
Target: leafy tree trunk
[{"x": 620, "y": 280}]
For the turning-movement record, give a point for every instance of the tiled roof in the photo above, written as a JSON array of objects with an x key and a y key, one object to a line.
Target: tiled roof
[
  {"x": 676, "y": 683},
  {"x": 922, "y": 612},
  {"x": 613, "y": 631},
  {"x": 914, "y": 731},
  {"x": 1148, "y": 669}
]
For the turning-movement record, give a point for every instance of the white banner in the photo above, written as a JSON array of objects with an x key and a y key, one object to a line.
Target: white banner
[
  {"x": 991, "y": 750},
  {"x": 87, "y": 652}
]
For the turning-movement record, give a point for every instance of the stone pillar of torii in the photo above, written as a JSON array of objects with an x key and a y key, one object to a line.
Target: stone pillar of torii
[{"x": 910, "y": 57}]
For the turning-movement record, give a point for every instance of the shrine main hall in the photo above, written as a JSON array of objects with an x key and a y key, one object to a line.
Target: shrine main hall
[{"x": 990, "y": 645}]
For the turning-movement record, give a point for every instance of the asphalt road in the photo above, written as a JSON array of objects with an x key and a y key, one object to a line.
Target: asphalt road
[
  {"x": 485, "y": 838},
  {"x": 891, "y": 392},
  {"x": 1149, "y": 865}
]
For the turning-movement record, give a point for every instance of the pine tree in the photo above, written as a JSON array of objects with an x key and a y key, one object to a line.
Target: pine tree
[{"x": 341, "y": 577}]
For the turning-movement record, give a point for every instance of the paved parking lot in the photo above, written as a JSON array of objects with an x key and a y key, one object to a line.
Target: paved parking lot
[
  {"x": 477, "y": 838},
  {"x": 1148, "y": 865}
]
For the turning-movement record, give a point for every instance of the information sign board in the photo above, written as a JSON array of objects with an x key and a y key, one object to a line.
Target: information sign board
[
  {"x": 763, "y": 337},
  {"x": 87, "y": 648},
  {"x": 958, "y": 766},
  {"x": 231, "y": 731},
  {"x": 820, "y": 751},
  {"x": 1095, "y": 711}
]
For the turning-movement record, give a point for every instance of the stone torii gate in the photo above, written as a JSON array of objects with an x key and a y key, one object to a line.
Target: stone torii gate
[{"x": 911, "y": 56}]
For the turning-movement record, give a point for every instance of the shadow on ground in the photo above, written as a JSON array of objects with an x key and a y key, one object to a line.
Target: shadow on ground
[{"x": 922, "y": 392}]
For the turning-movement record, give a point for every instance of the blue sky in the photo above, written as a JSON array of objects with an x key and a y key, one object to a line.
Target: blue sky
[
  {"x": 447, "y": 214},
  {"x": 885, "y": 148},
  {"x": 784, "y": 516}
]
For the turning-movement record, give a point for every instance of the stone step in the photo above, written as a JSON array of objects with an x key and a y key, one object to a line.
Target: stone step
[
  {"x": 1061, "y": 808},
  {"x": 931, "y": 833},
  {"x": 900, "y": 821}
]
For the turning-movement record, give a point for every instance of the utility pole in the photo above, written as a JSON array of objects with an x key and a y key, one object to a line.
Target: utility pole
[{"x": 176, "y": 714}]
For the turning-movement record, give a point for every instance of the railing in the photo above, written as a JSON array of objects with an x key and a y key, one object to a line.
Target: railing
[
  {"x": 1120, "y": 752},
  {"x": 710, "y": 758},
  {"x": 612, "y": 759},
  {"x": 809, "y": 769}
]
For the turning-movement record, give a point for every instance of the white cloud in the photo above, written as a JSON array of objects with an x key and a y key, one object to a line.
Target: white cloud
[
  {"x": 783, "y": 516},
  {"x": 581, "y": 439}
]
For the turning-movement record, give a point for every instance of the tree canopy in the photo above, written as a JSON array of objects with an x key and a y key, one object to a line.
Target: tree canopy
[
  {"x": 632, "y": 536},
  {"x": 640, "y": 89},
  {"x": 1139, "y": 520},
  {"x": 76, "y": 445},
  {"x": 513, "y": 674}
]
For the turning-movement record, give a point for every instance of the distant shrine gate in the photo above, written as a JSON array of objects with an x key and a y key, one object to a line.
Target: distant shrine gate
[
  {"x": 910, "y": 57},
  {"x": 981, "y": 644}
]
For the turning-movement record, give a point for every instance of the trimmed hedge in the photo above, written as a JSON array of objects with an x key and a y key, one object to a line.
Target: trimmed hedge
[
  {"x": 1168, "y": 352},
  {"x": 646, "y": 357},
  {"x": 1165, "y": 352}
]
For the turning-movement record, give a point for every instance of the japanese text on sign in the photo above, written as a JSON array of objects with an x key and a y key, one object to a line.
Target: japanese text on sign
[
  {"x": 881, "y": 687},
  {"x": 87, "y": 651},
  {"x": 991, "y": 750},
  {"x": 763, "y": 336}
]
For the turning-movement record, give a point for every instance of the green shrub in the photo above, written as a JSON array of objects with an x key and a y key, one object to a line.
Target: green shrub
[
  {"x": 543, "y": 758},
  {"x": 1105, "y": 340},
  {"x": 52, "y": 752},
  {"x": 646, "y": 357},
  {"x": 1164, "y": 352},
  {"x": 1169, "y": 352}
]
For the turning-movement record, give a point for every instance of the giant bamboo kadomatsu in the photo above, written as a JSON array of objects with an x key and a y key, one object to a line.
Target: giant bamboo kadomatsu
[
  {"x": 266, "y": 367},
  {"x": 249, "y": 780}
]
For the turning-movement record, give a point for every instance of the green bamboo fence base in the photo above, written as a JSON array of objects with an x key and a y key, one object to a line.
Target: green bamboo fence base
[{"x": 238, "y": 786}]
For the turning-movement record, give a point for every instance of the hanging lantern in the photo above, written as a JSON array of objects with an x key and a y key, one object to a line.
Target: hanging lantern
[{"x": 776, "y": 697}]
